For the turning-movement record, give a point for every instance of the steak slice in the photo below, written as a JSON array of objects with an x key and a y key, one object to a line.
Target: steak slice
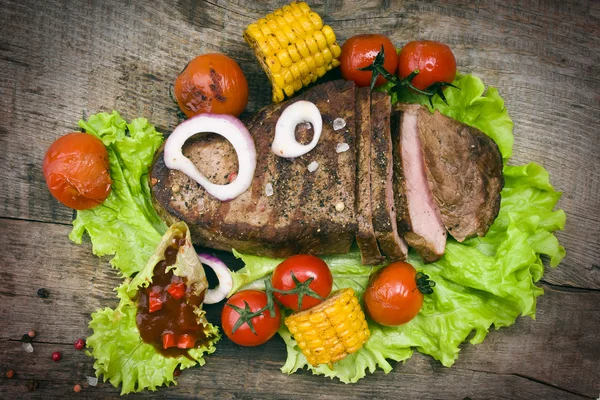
[
  {"x": 426, "y": 233},
  {"x": 365, "y": 237},
  {"x": 300, "y": 216},
  {"x": 464, "y": 170},
  {"x": 382, "y": 194}
]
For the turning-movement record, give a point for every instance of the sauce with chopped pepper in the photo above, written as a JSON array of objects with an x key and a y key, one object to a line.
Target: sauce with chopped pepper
[{"x": 165, "y": 316}]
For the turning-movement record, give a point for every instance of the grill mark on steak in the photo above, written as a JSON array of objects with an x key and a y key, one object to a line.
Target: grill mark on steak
[
  {"x": 427, "y": 234},
  {"x": 383, "y": 208},
  {"x": 365, "y": 237},
  {"x": 464, "y": 170}
]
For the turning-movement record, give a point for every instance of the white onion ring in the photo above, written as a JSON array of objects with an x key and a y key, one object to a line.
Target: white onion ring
[
  {"x": 231, "y": 129},
  {"x": 223, "y": 273},
  {"x": 285, "y": 143}
]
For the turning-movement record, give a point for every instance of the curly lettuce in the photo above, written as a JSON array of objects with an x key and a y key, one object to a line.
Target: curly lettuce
[
  {"x": 121, "y": 356},
  {"x": 481, "y": 283},
  {"x": 126, "y": 224}
]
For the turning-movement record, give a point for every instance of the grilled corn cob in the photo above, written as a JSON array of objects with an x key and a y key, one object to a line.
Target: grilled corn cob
[
  {"x": 293, "y": 47},
  {"x": 328, "y": 332}
]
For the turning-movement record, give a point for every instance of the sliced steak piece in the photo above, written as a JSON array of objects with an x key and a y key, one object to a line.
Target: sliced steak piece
[
  {"x": 426, "y": 233},
  {"x": 365, "y": 237},
  {"x": 382, "y": 194},
  {"x": 464, "y": 170},
  {"x": 300, "y": 216},
  {"x": 399, "y": 184}
]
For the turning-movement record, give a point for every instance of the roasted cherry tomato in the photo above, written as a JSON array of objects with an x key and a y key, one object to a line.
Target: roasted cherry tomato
[
  {"x": 434, "y": 60},
  {"x": 77, "y": 171},
  {"x": 303, "y": 267},
  {"x": 394, "y": 296},
  {"x": 359, "y": 51},
  {"x": 212, "y": 83},
  {"x": 264, "y": 325}
]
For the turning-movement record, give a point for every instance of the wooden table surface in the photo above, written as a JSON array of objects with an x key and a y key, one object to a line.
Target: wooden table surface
[{"x": 63, "y": 60}]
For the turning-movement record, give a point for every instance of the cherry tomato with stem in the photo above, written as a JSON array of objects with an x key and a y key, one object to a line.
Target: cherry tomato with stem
[
  {"x": 394, "y": 295},
  {"x": 247, "y": 320},
  {"x": 212, "y": 83},
  {"x": 76, "y": 170},
  {"x": 434, "y": 61},
  {"x": 307, "y": 279},
  {"x": 360, "y": 51}
]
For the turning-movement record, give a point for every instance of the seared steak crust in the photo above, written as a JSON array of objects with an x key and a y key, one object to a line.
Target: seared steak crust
[
  {"x": 365, "y": 237},
  {"x": 382, "y": 194},
  {"x": 300, "y": 216},
  {"x": 464, "y": 170}
]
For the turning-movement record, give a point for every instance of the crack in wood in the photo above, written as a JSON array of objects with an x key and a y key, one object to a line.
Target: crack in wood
[
  {"x": 39, "y": 221},
  {"x": 529, "y": 378},
  {"x": 568, "y": 288}
]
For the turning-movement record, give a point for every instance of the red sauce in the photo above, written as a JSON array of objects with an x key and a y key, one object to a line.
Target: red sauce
[{"x": 176, "y": 316}]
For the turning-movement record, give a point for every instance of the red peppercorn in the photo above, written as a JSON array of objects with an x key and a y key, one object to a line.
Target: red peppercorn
[
  {"x": 10, "y": 374},
  {"x": 56, "y": 356},
  {"x": 31, "y": 334},
  {"x": 77, "y": 388},
  {"x": 79, "y": 344}
]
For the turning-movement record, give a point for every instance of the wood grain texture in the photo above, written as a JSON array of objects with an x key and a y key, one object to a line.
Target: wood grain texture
[
  {"x": 552, "y": 357},
  {"x": 63, "y": 60}
]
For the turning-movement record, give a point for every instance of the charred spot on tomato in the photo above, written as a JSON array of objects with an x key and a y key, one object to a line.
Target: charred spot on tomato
[
  {"x": 216, "y": 87},
  {"x": 166, "y": 316},
  {"x": 195, "y": 98}
]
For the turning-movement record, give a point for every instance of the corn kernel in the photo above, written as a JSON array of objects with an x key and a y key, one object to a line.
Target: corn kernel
[
  {"x": 273, "y": 64},
  {"x": 329, "y": 35},
  {"x": 284, "y": 58},
  {"x": 316, "y": 20},
  {"x": 294, "y": 54},
  {"x": 295, "y": 72},
  {"x": 319, "y": 60},
  {"x": 312, "y": 45},
  {"x": 320, "y": 39},
  {"x": 289, "y": 90}
]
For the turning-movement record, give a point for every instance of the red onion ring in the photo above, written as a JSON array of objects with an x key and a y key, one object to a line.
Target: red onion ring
[
  {"x": 223, "y": 273},
  {"x": 285, "y": 143},
  {"x": 231, "y": 129}
]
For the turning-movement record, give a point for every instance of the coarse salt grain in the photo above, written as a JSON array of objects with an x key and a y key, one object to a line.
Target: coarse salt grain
[
  {"x": 92, "y": 380},
  {"x": 27, "y": 347},
  {"x": 339, "y": 123},
  {"x": 312, "y": 167},
  {"x": 342, "y": 147},
  {"x": 269, "y": 189}
]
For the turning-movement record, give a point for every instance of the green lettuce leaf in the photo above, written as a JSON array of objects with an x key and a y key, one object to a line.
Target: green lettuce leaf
[
  {"x": 122, "y": 357},
  {"x": 481, "y": 283},
  {"x": 125, "y": 225}
]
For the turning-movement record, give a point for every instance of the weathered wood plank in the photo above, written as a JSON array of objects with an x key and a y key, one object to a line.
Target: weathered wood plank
[{"x": 553, "y": 357}]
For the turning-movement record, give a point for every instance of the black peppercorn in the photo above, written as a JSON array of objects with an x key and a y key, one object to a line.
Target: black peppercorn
[{"x": 43, "y": 293}]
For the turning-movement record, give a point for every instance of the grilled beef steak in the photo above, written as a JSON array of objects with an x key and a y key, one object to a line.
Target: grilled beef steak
[
  {"x": 300, "y": 216},
  {"x": 464, "y": 170},
  {"x": 417, "y": 177},
  {"x": 382, "y": 194},
  {"x": 365, "y": 237},
  {"x": 426, "y": 233}
]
